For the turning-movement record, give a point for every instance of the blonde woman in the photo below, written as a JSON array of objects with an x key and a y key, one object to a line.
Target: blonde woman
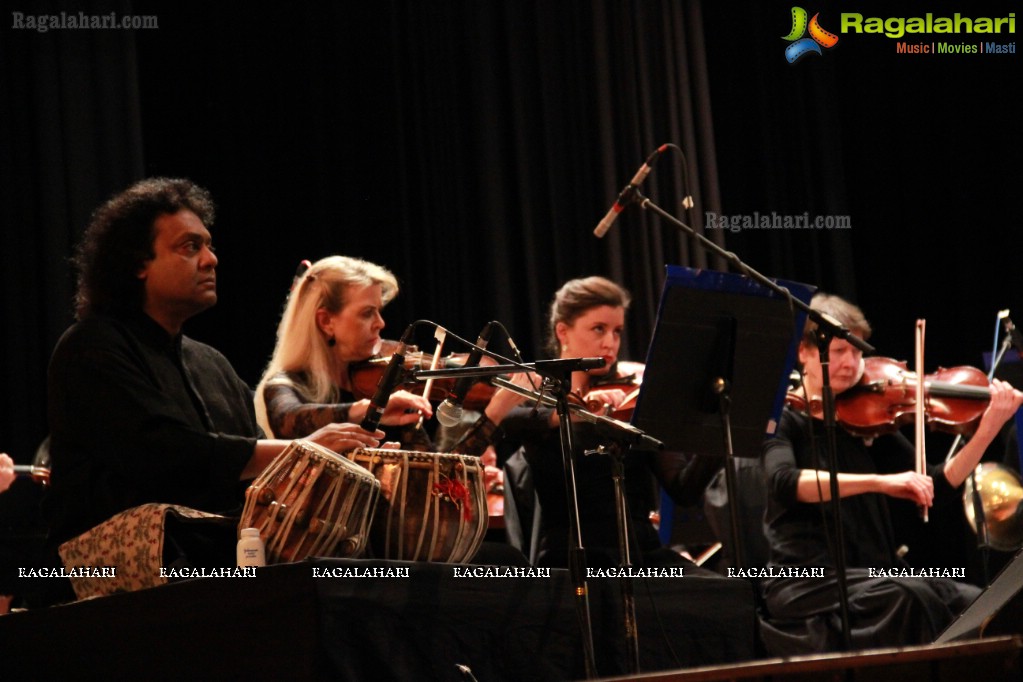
[{"x": 332, "y": 320}]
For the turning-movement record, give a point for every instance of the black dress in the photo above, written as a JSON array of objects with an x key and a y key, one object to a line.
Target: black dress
[
  {"x": 683, "y": 477},
  {"x": 883, "y": 610}
]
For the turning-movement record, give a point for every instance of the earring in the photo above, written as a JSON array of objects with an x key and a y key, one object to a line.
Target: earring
[
  {"x": 564, "y": 348},
  {"x": 331, "y": 342}
]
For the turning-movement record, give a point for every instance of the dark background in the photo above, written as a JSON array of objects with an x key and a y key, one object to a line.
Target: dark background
[{"x": 472, "y": 145}]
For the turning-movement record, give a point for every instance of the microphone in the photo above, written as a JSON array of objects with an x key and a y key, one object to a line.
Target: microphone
[
  {"x": 449, "y": 412},
  {"x": 387, "y": 383},
  {"x": 625, "y": 197}
]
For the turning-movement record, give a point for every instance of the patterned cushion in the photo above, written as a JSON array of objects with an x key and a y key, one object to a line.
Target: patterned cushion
[{"x": 131, "y": 542}]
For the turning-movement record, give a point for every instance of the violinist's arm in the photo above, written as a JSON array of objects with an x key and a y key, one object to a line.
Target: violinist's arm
[
  {"x": 684, "y": 477},
  {"x": 402, "y": 408},
  {"x": 290, "y": 416},
  {"x": 790, "y": 481},
  {"x": 815, "y": 486},
  {"x": 1005, "y": 400},
  {"x": 505, "y": 407},
  {"x": 504, "y": 401}
]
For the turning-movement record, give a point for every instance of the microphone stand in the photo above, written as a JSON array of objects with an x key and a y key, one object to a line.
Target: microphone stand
[
  {"x": 558, "y": 375},
  {"x": 561, "y": 385},
  {"x": 827, "y": 329},
  {"x": 621, "y": 435},
  {"x": 824, "y": 337},
  {"x": 625, "y": 580}
]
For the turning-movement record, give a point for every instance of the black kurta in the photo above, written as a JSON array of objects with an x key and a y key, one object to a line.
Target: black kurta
[{"x": 139, "y": 416}]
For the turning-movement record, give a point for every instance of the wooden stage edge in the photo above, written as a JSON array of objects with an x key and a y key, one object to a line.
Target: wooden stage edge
[{"x": 991, "y": 659}]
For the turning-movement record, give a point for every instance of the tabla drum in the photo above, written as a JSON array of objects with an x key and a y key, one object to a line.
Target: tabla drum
[
  {"x": 310, "y": 501},
  {"x": 433, "y": 506}
]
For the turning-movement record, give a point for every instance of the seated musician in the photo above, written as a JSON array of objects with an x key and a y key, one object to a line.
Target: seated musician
[
  {"x": 139, "y": 412},
  {"x": 331, "y": 321},
  {"x": 883, "y": 611},
  {"x": 587, "y": 318}
]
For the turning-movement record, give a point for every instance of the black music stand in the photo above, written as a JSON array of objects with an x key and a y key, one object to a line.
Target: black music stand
[{"x": 717, "y": 368}]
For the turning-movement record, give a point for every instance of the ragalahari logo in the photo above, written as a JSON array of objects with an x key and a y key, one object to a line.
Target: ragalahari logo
[{"x": 801, "y": 46}]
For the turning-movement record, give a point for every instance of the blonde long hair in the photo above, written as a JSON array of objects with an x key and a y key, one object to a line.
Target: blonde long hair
[{"x": 301, "y": 347}]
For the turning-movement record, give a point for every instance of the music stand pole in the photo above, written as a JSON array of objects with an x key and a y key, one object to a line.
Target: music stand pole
[
  {"x": 620, "y": 435},
  {"x": 558, "y": 376},
  {"x": 625, "y": 554},
  {"x": 722, "y": 388}
]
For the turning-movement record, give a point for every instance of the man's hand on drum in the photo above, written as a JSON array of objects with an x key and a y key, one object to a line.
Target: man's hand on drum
[{"x": 344, "y": 437}]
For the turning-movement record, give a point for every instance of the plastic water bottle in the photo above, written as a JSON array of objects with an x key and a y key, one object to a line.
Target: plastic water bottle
[{"x": 250, "y": 548}]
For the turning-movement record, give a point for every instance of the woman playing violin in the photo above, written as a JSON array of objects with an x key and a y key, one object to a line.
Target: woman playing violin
[
  {"x": 332, "y": 319},
  {"x": 882, "y": 611},
  {"x": 587, "y": 318}
]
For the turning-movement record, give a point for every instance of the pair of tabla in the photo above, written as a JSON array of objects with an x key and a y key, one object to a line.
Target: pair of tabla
[{"x": 414, "y": 506}]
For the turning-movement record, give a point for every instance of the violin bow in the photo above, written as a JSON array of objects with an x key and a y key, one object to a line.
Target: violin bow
[
  {"x": 440, "y": 334},
  {"x": 921, "y": 412}
]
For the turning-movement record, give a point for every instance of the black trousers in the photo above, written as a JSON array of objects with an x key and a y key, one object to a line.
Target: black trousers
[{"x": 803, "y": 613}]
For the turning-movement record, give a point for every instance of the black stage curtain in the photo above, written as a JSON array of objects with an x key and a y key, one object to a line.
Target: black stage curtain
[
  {"x": 469, "y": 146},
  {"x": 70, "y": 134}
]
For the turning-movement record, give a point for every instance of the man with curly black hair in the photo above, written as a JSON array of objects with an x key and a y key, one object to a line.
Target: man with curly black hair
[{"x": 139, "y": 412}]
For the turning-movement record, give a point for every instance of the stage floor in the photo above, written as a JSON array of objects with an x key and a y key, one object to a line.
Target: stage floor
[{"x": 316, "y": 620}]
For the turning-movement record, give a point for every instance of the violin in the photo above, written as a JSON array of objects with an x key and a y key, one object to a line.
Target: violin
[
  {"x": 365, "y": 376},
  {"x": 884, "y": 399},
  {"x": 629, "y": 381}
]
